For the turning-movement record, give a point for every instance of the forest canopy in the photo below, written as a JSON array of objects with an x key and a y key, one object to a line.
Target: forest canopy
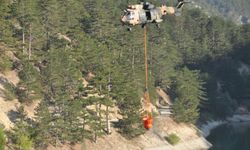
[{"x": 59, "y": 43}]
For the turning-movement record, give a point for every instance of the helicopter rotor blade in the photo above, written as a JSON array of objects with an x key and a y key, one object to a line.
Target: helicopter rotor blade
[
  {"x": 184, "y": 1},
  {"x": 180, "y": 5}
]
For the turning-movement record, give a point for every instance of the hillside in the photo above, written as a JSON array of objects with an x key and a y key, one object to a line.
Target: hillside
[
  {"x": 153, "y": 139},
  {"x": 236, "y": 10},
  {"x": 73, "y": 67}
]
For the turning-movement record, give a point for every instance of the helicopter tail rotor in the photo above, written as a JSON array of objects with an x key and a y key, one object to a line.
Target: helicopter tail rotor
[{"x": 179, "y": 6}]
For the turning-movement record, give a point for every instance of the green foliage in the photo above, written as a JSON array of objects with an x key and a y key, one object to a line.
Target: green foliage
[
  {"x": 5, "y": 28},
  {"x": 9, "y": 91},
  {"x": 42, "y": 136},
  {"x": 173, "y": 139},
  {"x": 70, "y": 40},
  {"x": 62, "y": 81},
  {"x": 230, "y": 9},
  {"x": 20, "y": 135},
  {"x": 189, "y": 92},
  {"x": 2, "y": 139},
  {"x": 131, "y": 125},
  {"x": 5, "y": 63},
  {"x": 24, "y": 142},
  {"x": 29, "y": 88}
]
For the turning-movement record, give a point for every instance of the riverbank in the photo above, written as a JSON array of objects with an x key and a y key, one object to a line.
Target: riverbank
[
  {"x": 210, "y": 125},
  {"x": 239, "y": 118}
]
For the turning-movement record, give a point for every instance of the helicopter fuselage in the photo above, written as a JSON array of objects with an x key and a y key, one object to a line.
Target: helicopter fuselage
[{"x": 141, "y": 15}]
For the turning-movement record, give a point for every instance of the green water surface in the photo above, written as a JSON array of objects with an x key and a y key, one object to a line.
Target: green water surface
[{"x": 235, "y": 136}]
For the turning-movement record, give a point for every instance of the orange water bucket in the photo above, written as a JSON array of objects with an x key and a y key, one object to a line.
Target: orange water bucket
[{"x": 148, "y": 122}]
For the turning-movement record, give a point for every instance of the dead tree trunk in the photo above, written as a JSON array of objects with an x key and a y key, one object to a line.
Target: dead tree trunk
[
  {"x": 30, "y": 41},
  {"x": 107, "y": 107},
  {"x": 23, "y": 40},
  {"x": 107, "y": 120}
]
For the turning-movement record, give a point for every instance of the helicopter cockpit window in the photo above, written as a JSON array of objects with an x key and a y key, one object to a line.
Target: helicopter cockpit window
[{"x": 130, "y": 15}]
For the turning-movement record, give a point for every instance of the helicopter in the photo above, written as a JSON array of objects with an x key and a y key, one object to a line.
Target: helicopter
[{"x": 145, "y": 12}]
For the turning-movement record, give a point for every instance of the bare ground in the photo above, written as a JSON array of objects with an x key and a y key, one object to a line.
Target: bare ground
[
  {"x": 151, "y": 140},
  {"x": 8, "y": 108},
  {"x": 12, "y": 76}
]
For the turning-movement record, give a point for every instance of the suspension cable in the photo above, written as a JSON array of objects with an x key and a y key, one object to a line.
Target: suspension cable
[
  {"x": 146, "y": 93},
  {"x": 146, "y": 58}
]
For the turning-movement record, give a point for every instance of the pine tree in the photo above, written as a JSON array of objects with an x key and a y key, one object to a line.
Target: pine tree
[
  {"x": 189, "y": 92},
  {"x": 43, "y": 124},
  {"x": 21, "y": 134},
  {"x": 131, "y": 125},
  {"x": 62, "y": 81},
  {"x": 5, "y": 30},
  {"x": 24, "y": 142},
  {"x": 30, "y": 87}
]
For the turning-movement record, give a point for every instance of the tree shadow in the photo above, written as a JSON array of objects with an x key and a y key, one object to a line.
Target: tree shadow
[{"x": 13, "y": 116}]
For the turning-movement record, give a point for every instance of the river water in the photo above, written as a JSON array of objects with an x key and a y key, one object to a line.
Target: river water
[{"x": 233, "y": 136}]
